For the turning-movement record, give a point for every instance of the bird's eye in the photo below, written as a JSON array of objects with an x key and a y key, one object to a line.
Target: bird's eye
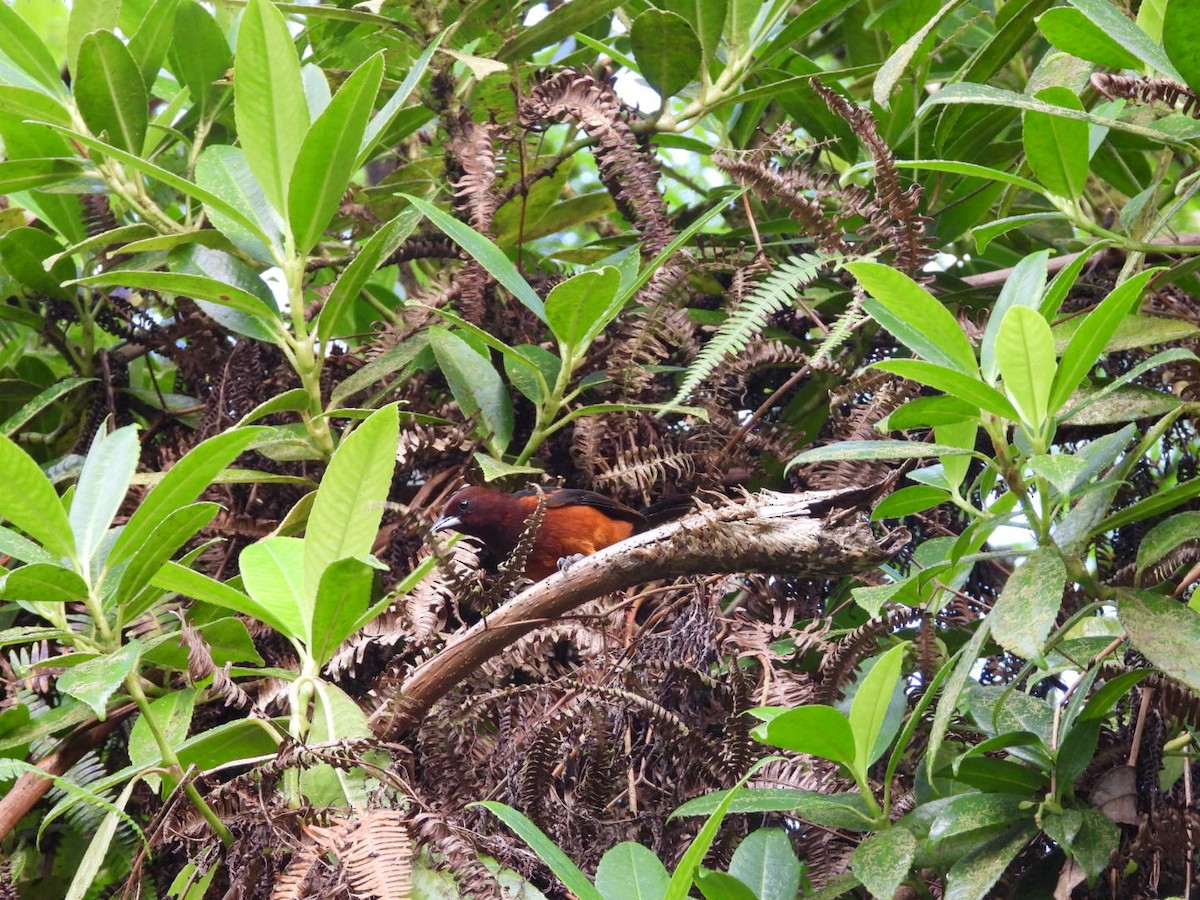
[{"x": 464, "y": 505}]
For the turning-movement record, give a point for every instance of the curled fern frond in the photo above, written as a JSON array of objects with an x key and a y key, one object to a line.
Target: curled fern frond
[{"x": 777, "y": 291}]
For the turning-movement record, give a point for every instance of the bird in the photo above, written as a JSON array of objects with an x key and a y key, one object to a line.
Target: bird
[{"x": 575, "y": 523}]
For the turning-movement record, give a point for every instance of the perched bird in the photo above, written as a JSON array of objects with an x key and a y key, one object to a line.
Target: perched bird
[{"x": 575, "y": 523}]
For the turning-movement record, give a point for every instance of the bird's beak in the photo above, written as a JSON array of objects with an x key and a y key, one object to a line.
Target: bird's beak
[{"x": 446, "y": 523}]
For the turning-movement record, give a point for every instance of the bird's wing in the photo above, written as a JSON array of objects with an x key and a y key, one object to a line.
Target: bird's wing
[{"x": 561, "y": 497}]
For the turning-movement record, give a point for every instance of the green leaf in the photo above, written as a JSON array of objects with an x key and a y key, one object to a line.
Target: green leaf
[
  {"x": 721, "y": 886},
  {"x": 925, "y": 412},
  {"x": 349, "y": 503},
  {"x": 28, "y": 103},
  {"x": 667, "y": 50},
  {"x": 707, "y": 18},
  {"x": 355, "y": 276},
  {"x": 109, "y": 91},
  {"x": 148, "y": 557},
  {"x": 974, "y": 875},
  {"x": 342, "y": 598},
  {"x": 484, "y": 252},
  {"x": 1057, "y": 148},
  {"x": 957, "y": 167},
  {"x": 180, "y": 485},
  {"x": 1094, "y": 843},
  {"x": 1166, "y": 631},
  {"x": 835, "y": 810},
  {"x": 1072, "y": 32},
  {"x": 1181, "y": 39},
  {"x": 152, "y": 39},
  {"x": 172, "y": 715},
  {"x": 560, "y": 864},
  {"x": 1132, "y": 332},
  {"x": 816, "y": 729},
  {"x": 915, "y": 317},
  {"x": 767, "y": 864},
  {"x": 102, "y": 837},
  {"x": 327, "y": 158},
  {"x": 223, "y": 171},
  {"x": 87, "y": 16},
  {"x": 972, "y": 812},
  {"x": 909, "y": 500},
  {"x": 1088, "y": 342},
  {"x": 268, "y": 104},
  {"x": 948, "y": 704},
  {"x": 577, "y": 309},
  {"x": 950, "y": 381},
  {"x": 844, "y": 450},
  {"x": 382, "y": 120},
  {"x": 477, "y": 387},
  {"x": 1114, "y": 23},
  {"x": 23, "y": 46},
  {"x": 1026, "y": 610},
  {"x": 273, "y": 574},
  {"x": 25, "y": 252},
  {"x": 882, "y": 861},
  {"x": 182, "y": 580},
  {"x": 1063, "y": 471},
  {"x": 95, "y": 681},
  {"x": 43, "y": 583},
  {"x": 561, "y": 22},
  {"x": 203, "y": 58},
  {"x": 30, "y": 502},
  {"x": 897, "y": 64},
  {"x": 1166, "y": 536},
  {"x": 1023, "y": 287},
  {"x": 630, "y": 871},
  {"x": 869, "y": 710},
  {"x": 1025, "y": 357},
  {"x": 103, "y": 482},
  {"x": 40, "y": 403}
]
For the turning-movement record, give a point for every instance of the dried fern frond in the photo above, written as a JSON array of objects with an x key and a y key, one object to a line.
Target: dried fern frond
[{"x": 776, "y": 292}]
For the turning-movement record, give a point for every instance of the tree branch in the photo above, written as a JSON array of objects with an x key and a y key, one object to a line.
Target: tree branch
[{"x": 770, "y": 533}]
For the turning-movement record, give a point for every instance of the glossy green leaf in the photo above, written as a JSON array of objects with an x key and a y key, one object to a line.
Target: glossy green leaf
[
  {"x": 484, "y": 252},
  {"x": 1022, "y": 288},
  {"x": 190, "y": 583},
  {"x": 721, "y": 886},
  {"x": 816, "y": 729},
  {"x": 27, "y": 51},
  {"x": 354, "y": 277},
  {"x": 269, "y": 105},
  {"x": 667, "y": 50},
  {"x": 845, "y": 810},
  {"x": 43, "y": 583},
  {"x": 707, "y": 18},
  {"x": 915, "y": 317},
  {"x": 86, "y": 17},
  {"x": 25, "y": 251},
  {"x": 40, "y": 403},
  {"x": 1072, "y": 32},
  {"x": 30, "y": 502},
  {"x": 1113, "y": 22},
  {"x": 327, "y": 157},
  {"x": 950, "y": 381},
  {"x": 568, "y": 873},
  {"x": 203, "y": 58},
  {"x": 178, "y": 527},
  {"x": 630, "y": 871},
  {"x": 150, "y": 43},
  {"x": 342, "y": 597},
  {"x": 869, "y": 709},
  {"x": 103, "y": 482},
  {"x": 561, "y": 22},
  {"x": 578, "y": 308},
  {"x": 849, "y": 450},
  {"x": 1025, "y": 357},
  {"x": 1181, "y": 39},
  {"x": 95, "y": 681},
  {"x": 172, "y": 715},
  {"x": 766, "y": 863},
  {"x": 901, "y": 59},
  {"x": 909, "y": 500},
  {"x": 1088, "y": 342},
  {"x": 1056, "y": 148},
  {"x": 380, "y": 123},
  {"x": 349, "y": 504},
  {"x": 223, "y": 171},
  {"x": 926, "y": 412},
  {"x": 882, "y": 861},
  {"x": 109, "y": 91},
  {"x": 35, "y": 105},
  {"x": 476, "y": 386},
  {"x": 23, "y": 174}
]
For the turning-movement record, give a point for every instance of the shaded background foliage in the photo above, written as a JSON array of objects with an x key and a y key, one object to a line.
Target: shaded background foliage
[{"x": 162, "y": 157}]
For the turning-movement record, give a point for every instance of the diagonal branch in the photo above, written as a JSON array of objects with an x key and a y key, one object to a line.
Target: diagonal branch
[{"x": 777, "y": 534}]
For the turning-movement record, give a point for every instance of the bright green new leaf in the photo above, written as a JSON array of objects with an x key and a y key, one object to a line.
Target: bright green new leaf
[
  {"x": 666, "y": 49},
  {"x": 87, "y": 16},
  {"x": 354, "y": 277},
  {"x": 915, "y": 317},
  {"x": 268, "y": 104},
  {"x": 342, "y": 598},
  {"x": 23, "y": 46},
  {"x": 577, "y": 309},
  {"x": 869, "y": 710},
  {"x": 223, "y": 170},
  {"x": 1023, "y": 287},
  {"x": 30, "y": 502},
  {"x": 1072, "y": 32},
  {"x": 273, "y": 574},
  {"x": 1089, "y": 341},
  {"x": 950, "y": 381},
  {"x": 477, "y": 387},
  {"x": 1028, "y": 606},
  {"x": 43, "y": 583},
  {"x": 816, "y": 729},
  {"x": 190, "y": 583},
  {"x": 327, "y": 158},
  {"x": 1025, "y": 357},
  {"x": 103, "y": 482},
  {"x": 149, "y": 44},
  {"x": 172, "y": 715},
  {"x": 349, "y": 504}
]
